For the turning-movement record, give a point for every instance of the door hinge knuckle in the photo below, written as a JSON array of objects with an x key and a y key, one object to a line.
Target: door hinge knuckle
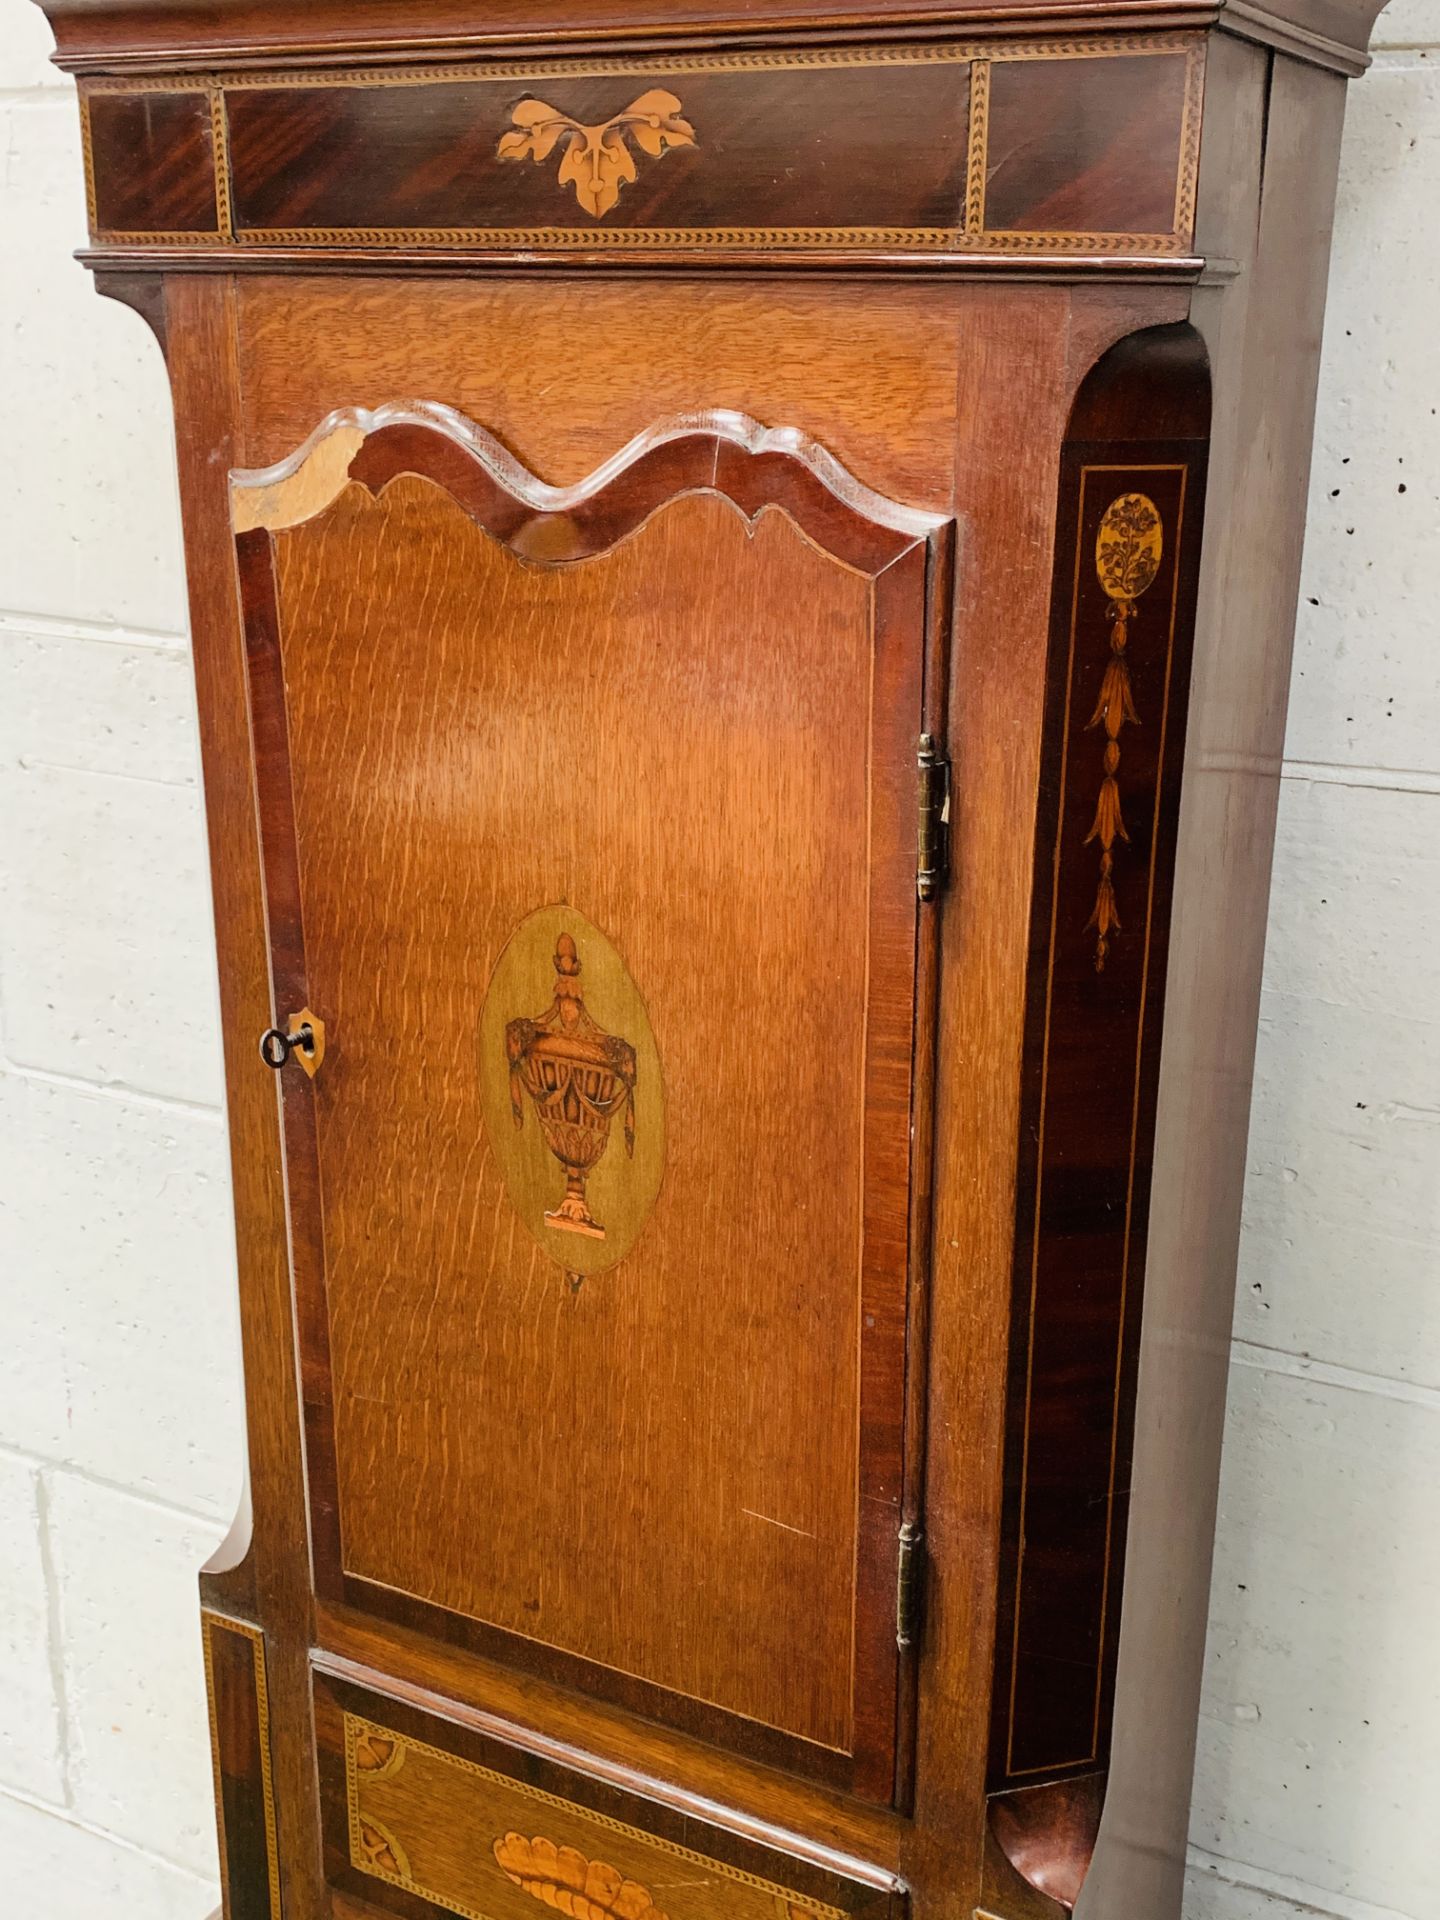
[
  {"x": 909, "y": 1585},
  {"x": 934, "y": 817}
]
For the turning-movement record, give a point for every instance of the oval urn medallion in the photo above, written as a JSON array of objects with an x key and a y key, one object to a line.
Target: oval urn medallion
[{"x": 571, "y": 1085}]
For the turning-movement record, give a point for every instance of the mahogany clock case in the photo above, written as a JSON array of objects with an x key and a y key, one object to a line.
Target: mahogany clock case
[{"x": 742, "y": 564}]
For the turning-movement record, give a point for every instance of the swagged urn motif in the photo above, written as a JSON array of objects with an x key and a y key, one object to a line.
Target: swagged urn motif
[{"x": 579, "y": 1077}]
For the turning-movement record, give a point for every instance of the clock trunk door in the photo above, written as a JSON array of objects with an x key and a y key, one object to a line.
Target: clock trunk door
[{"x": 589, "y": 826}]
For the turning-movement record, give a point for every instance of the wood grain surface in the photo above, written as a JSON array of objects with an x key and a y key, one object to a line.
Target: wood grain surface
[
  {"x": 791, "y": 146},
  {"x": 274, "y": 1576},
  {"x": 477, "y": 1824},
  {"x": 1276, "y": 147},
  {"x": 668, "y": 1768},
  {"x": 151, "y": 163},
  {"x": 1085, "y": 146},
  {"x": 553, "y": 1507},
  {"x": 981, "y": 360},
  {"x": 238, "y": 1689},
  {"x": 1104, "y": 859},
  {"x": 784, "y": 1041},
  {"x": 872, "y": 379},
  {"x": 940, "y": 150},
  {"x": 140, "y": 32}
]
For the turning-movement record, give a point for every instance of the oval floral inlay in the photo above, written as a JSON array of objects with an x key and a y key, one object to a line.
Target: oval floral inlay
[
  {"x": 570, "y": 1078},
  {"x": 1129, "y": 546}
]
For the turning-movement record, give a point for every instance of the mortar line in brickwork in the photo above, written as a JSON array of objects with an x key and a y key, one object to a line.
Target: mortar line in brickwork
[
  {"x": 1294, "y": 1366},
  {"x": 1308, "y": 1903},
  {"x": 27, "y": 765},
  {"x": 112, "y": 1090},
  {"x": 1334, "y": 773},
  {"x": 54, "y": 1634},
  {"x": 45, "y": 1464},
  {"x": 138, "y": 1849},
  {"x": 116, "y": 633}
]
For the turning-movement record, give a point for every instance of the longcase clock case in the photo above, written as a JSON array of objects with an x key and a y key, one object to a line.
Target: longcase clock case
[{"x": 742, "y": 562}]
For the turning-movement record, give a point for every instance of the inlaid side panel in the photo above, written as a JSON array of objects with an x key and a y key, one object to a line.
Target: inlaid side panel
[
  {"x": 1102, "y": 153},
  {"x": 151, "y": 165},
  {"x": 426, "y": 1817},
  {"x": 762, "y": 147},
  {"x": 1130, "y": 515},
  {"x": 1086, "y": 145},
  {"x": 240, "y": 1746},
  {"x": 609, "y": 911}
]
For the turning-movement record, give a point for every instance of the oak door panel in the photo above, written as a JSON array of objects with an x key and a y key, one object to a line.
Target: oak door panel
[
  {"x": 425, "y": 1817},
  {"x": 635, "y": 1421}
]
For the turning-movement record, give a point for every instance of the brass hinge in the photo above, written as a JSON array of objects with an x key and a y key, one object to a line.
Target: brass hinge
[
  {"x": 909, "y": 1585},
  {"x": 934, "y": 810}
]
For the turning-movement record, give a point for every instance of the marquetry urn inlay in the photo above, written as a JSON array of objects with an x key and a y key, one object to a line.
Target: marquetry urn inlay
[{"x": 572, "y": 1091}]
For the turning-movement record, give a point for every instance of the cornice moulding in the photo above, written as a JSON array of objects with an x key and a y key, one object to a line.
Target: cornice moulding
[{"x": 117, "y": 36}]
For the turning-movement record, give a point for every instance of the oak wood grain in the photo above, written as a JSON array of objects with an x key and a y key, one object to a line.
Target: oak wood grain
[
  {"x": 402, "y": 971},
  {"x": 708, "y": 692},
  {"x": 871, "y": 378},
  {"x": 651, "y": 1759},
  {"x": 446, "y": 1815},
  {"x": 275, "y": 1575}
]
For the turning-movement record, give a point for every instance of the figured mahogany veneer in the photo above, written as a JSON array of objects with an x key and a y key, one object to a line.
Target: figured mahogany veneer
[
  {"x": 742, "y": 560},
  {"x": 150, "y": 161},
  {"x": 236, "y": 1680},
  {"x": 1129, "y": 515},
  {"x": 946, "y": 149}
]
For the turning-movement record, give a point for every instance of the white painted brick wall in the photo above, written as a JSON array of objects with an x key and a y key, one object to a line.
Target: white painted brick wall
[
  {"x": 1319, "y": 1774},
  {"x": 120, "y": 1433},
  {"x": 120, "y": 1429}
]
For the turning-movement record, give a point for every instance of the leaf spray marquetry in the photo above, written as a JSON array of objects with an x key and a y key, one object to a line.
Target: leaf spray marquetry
[
  {"x": 597, "y": 161},
  {"x": 1128, "y": 550},
  {"x": 563, "y": 1878}
]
